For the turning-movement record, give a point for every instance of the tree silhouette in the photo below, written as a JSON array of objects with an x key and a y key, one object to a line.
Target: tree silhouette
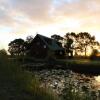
[
  {"x": 85, "y": 40},
  {"x": 94, "y": 54},
  {"x": 69, "y": 40},
  {"x": 56, "y": 37},
  {"x": 16, "y": 47},
  {"x": 29, "y": 39},
  {"x": 80, "y": 43}
]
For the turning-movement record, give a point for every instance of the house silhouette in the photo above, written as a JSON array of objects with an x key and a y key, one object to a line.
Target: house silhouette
[{"x": 44, "y": 47}]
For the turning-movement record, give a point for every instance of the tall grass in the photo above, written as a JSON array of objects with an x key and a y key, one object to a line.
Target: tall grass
[
  {"x": 16, "y": 84},
  {"x": 72, "y": 93}
]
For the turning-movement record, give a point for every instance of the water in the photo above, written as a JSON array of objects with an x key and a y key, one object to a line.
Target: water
[
  {"x": 58, "y": 80},
  {"x": 97, "y": 82}
]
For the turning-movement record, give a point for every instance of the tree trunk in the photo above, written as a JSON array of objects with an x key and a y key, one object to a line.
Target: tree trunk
[{"x": 85, "y": 52}]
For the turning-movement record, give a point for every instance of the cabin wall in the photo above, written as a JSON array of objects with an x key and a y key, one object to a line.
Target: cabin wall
[{"x": 38, "y": 48}]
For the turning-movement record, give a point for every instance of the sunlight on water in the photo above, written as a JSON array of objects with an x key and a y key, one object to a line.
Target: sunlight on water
[
  {"x": 97, "y": 82},
  {"x": 97, "y": 78}
]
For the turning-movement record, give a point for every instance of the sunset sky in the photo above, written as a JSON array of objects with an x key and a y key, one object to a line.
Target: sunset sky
[{"x": 21, "y": 18}]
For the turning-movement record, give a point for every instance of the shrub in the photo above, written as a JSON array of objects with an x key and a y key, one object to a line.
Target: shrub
[
  {"x": 16, "y": 84},
  {"x": 94, "y": 54}
]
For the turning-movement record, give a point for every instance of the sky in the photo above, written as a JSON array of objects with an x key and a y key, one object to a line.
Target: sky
[{"x": 21, "y": 18}]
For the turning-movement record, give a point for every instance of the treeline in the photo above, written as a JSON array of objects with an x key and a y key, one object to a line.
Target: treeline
[
  {"x": 82, "y": 43},
  {"x": 20, "y": 47}
]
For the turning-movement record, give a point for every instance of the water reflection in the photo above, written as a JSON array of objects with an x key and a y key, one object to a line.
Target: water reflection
[
  {"x": 58, "y": 80},
  {"x": 97, "y": 78},
  {"x": 97, "y": 82}
]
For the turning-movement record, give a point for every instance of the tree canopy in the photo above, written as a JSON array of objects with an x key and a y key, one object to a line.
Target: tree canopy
[
  {"x": 86, "y": 41},
  {"x": 74, "y": 44},
  {"x": 56, "y": 37},
  {"x": 82, "y": 42},
  {"x": 16, "y": 47}
]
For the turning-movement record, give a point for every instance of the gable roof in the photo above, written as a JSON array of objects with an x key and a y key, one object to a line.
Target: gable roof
[{"x": 51, "y": 43}]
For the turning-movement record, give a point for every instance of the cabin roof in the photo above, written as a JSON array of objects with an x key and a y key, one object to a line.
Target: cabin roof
[{"x": 51, "y": 43}]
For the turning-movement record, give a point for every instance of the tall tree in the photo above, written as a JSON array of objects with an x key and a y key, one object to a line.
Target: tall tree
[
  {"x": 29, "y": 39},
  {"x": 70, "y": 40},
  {"x": 16, "y": 47},
  {"x": 85, "y": 41},
  {"x": 81, "y": 42}
]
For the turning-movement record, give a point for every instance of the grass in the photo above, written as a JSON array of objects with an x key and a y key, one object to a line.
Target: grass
[
  {"x": 16, "y": 84},
  {"x": 85, "y": 66}
]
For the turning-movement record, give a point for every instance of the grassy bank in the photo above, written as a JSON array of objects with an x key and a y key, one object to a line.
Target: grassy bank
[
  {"x": 86, "y": 67},
  {"x": 22, "y": 85},
  {"x": 16, "y": 84}
]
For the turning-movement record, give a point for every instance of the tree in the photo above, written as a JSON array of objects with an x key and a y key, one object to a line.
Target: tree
[
  {"x": 86, "y": 41},
  {"x": 3, "y": 52},
  {"x": 16, "y": 47},
  {"x": 27, "y": 44},
  {"x": 70, "y": 39},
  {"x": 29, "y": 39},
  {"x": 94, "y": 54},
  {"x": 80, "y": 43},
  {"x": 57, "y": 37}
]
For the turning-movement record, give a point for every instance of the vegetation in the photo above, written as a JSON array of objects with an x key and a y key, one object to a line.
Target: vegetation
[
  {"x": 57, "y": 37},
  {"x": 81, "y": 42},
  {"x": 70, "y": 93},
  {"x": 19, "y": 85},
  {"x": 16, "y": 47},
  {"x": 22, "y": 85},
  {"x": 74, "y": 44}
]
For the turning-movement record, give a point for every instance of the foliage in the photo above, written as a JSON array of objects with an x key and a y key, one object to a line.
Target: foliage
[
  {"x": 16, "y": 47},
  {"x": 82, "y": 42},
  {"x": 85, "y": 41},
  {"x": 94, "y": 54},
  {"x": 17, "y": 84},
  {"x": 3, "y": 52},
  {"x": 69, "y": 40},
  {"x": 72, "y": 92},
  {"x": 75, "y": 44},
  {"x": 57, "y": 37},
  {"x": 20, "y": 47},
  {"x": 29, "y": 39}
]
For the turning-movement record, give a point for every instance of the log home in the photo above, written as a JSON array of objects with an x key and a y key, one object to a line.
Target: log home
[{"x": 44, "y": 47}]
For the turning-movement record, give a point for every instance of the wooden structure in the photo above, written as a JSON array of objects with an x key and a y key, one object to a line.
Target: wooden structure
[{"x": 44, "y": 47}]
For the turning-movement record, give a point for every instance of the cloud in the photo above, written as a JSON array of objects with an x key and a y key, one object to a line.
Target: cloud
[
  {"x": 19, "y": 18},
  {"x": 22, "y": 15},
  {"x": 36, "y": 10}
]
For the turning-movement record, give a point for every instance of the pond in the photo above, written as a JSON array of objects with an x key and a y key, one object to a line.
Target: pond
[
  {"x": 58, "y": 80},
  {"x": 97, "y": 81}
]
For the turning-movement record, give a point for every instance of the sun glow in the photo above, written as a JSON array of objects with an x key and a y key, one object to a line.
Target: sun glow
[
  {"x": 47, "y": 17},
  {"x": 97, "y": 78}
]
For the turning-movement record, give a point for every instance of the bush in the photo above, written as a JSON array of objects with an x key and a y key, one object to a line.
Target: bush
[
  {"x": 94, "y": 55},
  {"x": 72, "y": 93},
  {"x": 19, "y": 85}
]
